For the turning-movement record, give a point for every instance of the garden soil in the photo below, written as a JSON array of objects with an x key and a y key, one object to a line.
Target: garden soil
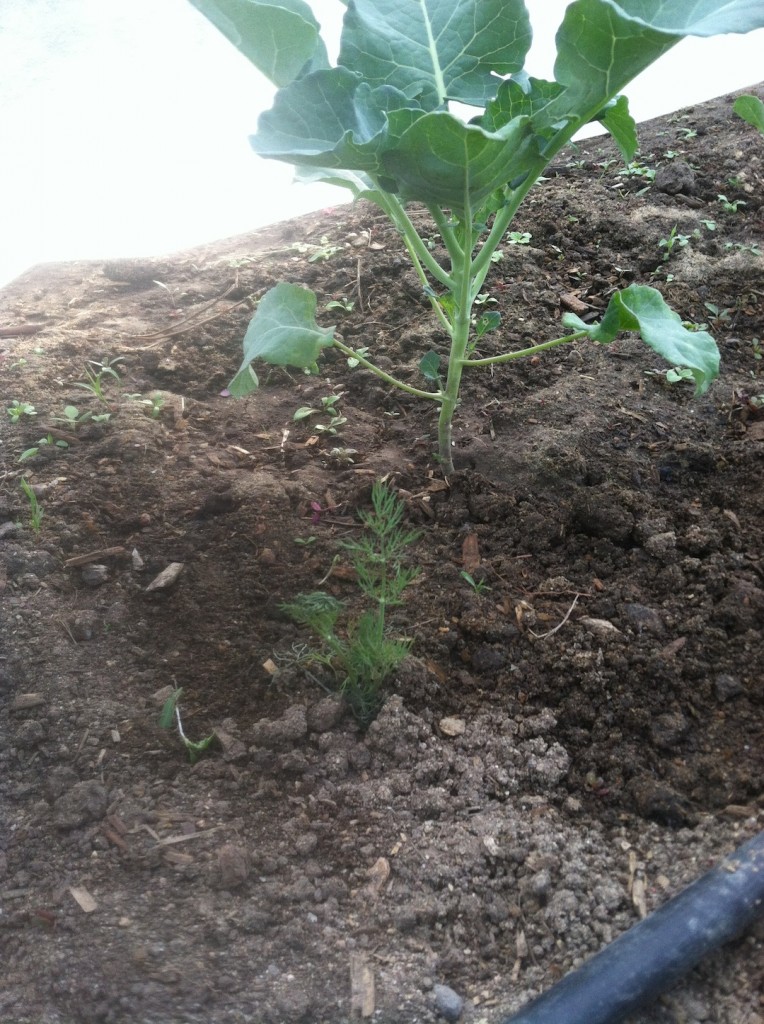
[{"x": 576, "y": 734}]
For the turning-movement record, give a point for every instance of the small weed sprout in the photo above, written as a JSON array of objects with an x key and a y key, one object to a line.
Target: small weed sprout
[
  {"x": 346, "y": 305},
  {"x": 153, "y": 404},
  {"x": 18, "y": 409},
  {"x": 363, "y": 655},
  {"x": 678, "y": 373},
  {"x": 329, "y": 408},
  {"x": 730, "y": 205},
  {"x": 478, "y": 586},
  {"x": 673, "y": 241},
  {"x": 171, "y": 716},
  {"x": 36, "y": 512},
  {"x": 44, "y": 442},
  {"x": 94, "y": 376}
]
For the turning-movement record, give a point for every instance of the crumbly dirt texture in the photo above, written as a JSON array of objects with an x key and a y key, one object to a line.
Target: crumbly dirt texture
[{"x": 570, "y": 742}]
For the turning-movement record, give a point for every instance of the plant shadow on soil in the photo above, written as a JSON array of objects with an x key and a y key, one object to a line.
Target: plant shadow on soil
[{"x": 561, "y": 752}]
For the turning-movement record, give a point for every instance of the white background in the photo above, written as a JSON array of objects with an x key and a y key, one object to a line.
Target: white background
[{"x": 123, "y": 125}]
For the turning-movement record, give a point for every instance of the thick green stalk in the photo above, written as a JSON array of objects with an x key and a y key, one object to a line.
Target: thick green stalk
[{"x": 462, "y": 272}]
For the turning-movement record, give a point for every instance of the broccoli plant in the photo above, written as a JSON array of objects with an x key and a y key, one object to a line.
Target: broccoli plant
[{"x": 381, "y": 123}]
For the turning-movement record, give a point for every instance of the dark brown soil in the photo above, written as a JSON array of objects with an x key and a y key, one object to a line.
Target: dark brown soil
[{"x": 566, "y": 746}]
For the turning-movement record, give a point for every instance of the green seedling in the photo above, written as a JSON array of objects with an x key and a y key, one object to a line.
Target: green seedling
[
  {"x": 346, "y": 305},
  {"x": 18, "y": 409},
  {"x": 360, "y": 353},
  {"x": 355, "y": 642},
  {"x": 153, "y": 404},
  {"x": 674, "y": 241},
  {"x": 751, "y": 109},
  {"x": 73, "y": 418},
  {"x": 171, "y": 716},
  {"x": 753, "y": 248},
  {"x": 342, "y": 456},
  {"x": 36, "y": 512},
  {"x": 478, "y": 586},
  {"x": 758, "y": 354},
  {"x": 44, "y": 442},
  {"x": 730, "y": 205},
  {"x": 328, "y": 407},
  {"x": 677, "y": 374},
  {"x": 718, "y": 314},
  {"x": 634, "y": 169},
  {"x": 95, "y": 373},
  {"x": 382, "y": 123},
  {"x": 519, "y": 237},
  {"x": 318, "y": 253}
]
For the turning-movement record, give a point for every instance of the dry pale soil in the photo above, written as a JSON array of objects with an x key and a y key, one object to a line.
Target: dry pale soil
[{"x": 569, "y": 743}]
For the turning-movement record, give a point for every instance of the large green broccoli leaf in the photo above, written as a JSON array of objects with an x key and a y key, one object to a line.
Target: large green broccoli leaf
[
  {"x": 434, "y": 50},
  {"x": 280, "y": 37}
]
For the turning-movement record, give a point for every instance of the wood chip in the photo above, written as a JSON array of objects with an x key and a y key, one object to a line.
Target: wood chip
[
  {"x": 94, "y": 556},
  {"x": 573, "y": 303},
  {"x": 24, "y": 701},
  {"x": 599, "y": 626},
  {"x": 167, "y": 577},
  {"x": 638, "y": 896},
  {"x": 362, "y": 997},
  {"x": 470, "y": 553},
  {"x": 378, "y": 875},
  {"x": 83, "y": 897}
]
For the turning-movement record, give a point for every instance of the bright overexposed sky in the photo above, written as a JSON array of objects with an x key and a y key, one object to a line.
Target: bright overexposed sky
[{"x": 123, "y": 126}]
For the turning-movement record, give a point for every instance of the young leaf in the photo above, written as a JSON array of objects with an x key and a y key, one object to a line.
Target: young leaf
[
  {"x": 167, "y": 717},
  {"x": 331, "y": 119},
  {"x": 429, "y": 366},
  {"x": 279, "y": 37},
  {"x": 751, "y": 109},
  {"x": 603, "y": 44},
  {"x": 282, "y": 332},
  {"x": 642, "y": 309},
  {"x": 619, "y": 122},
  {"x": 439, "y": 159},
  {"x": 487, "y": 322},
  {"x": 434, "y": 51}
]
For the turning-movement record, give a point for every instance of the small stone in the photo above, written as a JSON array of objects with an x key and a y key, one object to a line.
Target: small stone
[
  {"x": 726, "y": 687},
  {"x": 643, "y": 618},
  {"x": 675, "y": 178},
  {"x": 292, "y": 726},
  {"x": 30, "y": 734},
  {"x": 167, "y": 577},
  {"x": 452, "y": 726},
  {"x": 233, "y": 748},
  {"x": 94, "y": 575},
  {"x": 449, "y": 1004},
  {"x": 666, "y": 731},
  {"x": 84, "y": 802},
  {"x": 325, "y": 714},
  {"x": 233, "y": 866},
  {"x": 661, "y": 545},
  {"x": 83, "y": 625}
]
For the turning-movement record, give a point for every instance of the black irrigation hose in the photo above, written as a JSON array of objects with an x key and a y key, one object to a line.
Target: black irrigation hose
[{"x": 653, "y": 955}]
